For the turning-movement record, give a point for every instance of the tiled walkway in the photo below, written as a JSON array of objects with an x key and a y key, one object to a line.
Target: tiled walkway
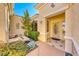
[
  {"x": 44, "y": 49},
  {"x": 58, "y": 44}
]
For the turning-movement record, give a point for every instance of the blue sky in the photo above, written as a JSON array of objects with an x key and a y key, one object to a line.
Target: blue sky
[{"x": 19, "y": 8}]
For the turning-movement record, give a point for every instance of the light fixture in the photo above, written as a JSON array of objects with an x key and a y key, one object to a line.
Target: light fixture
[{"x": 52, "y": 5}]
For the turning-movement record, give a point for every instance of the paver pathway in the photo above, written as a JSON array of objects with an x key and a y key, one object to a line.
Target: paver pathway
[{"x": 44, "y": 49}]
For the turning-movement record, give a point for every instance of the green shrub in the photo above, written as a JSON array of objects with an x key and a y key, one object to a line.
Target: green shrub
[
  {"x": 17, "y": 53},
  {"x": 19, "y": 45},
  {"x": 25, "y": 33},
  {"x": 4, "y": 51},
  {"x": 18, "y": 48},
  {"x": 33, "y": 35}
]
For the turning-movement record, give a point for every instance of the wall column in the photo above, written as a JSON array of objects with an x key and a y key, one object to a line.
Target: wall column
[
  {"x": 6, "y": 22},
  {"x": 3, "y": 24},
  {"x": 42, "y": 29},
  {"x": 68, "y": 30}
]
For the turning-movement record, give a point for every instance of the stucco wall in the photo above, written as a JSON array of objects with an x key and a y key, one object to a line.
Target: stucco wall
[
  {"x": 3, "y": 22},
  {"x": 72, "y": 29},
  {"x": 47, "y": 9},
  {"x": 75, "y": 25},
  {"x": 16, "y": 21},
  {"x": 72, "y": 18},
  {"x": 42, "y": 29}
]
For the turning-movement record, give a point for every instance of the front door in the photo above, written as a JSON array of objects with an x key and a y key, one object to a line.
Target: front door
[{"x": 56, "y": 30}]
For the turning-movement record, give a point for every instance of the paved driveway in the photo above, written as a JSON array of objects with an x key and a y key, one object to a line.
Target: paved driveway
[{"x": 44, "y": 49}]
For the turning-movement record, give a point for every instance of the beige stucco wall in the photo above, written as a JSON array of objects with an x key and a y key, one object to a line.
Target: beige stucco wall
[
  {"x": 72, "y": 35},
  {"x": 48, "y": 10},
  {"x": 75, "y": 25},
  {"x": 14, "y": 30},
  {"x": 42, "y": 29},
  {"x": 3, "y": 23},
  {"x": 75, "y": 19},
  {"x": 35, "y": 17}
]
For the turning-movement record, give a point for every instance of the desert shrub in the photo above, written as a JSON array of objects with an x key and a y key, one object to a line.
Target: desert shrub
[
  {"x": 4, "y": 50},
  {"x": 33, "y": 35},
  {"x": 17, "y": 53},
  {"x": 18, "y": 48},
  {"x": 25, "y": 33},
  {"x": 2, "y": 44},
  {"x": 19, "y": 45}
]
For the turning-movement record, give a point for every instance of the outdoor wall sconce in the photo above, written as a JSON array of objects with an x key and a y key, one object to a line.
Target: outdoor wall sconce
[{"x": 52, "y": 5}]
